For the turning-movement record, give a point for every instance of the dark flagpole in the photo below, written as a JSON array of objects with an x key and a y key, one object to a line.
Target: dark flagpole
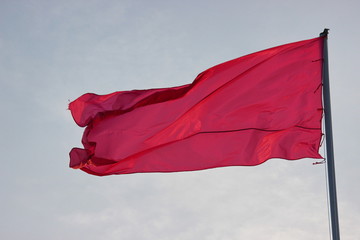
[{"x": 335, "y": 233}]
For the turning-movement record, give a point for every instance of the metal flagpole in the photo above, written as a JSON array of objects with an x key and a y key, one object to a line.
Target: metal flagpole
[{"x": 335, "y": 233}]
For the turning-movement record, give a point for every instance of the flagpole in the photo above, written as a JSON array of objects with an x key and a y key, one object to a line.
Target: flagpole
[{"x": 335, "y": 233}]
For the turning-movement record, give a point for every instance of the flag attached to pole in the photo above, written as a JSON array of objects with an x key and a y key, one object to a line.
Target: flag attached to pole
[{"x": 239, "y": 113}]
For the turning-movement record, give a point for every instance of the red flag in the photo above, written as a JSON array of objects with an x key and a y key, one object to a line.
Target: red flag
[{"x": 239, "y": 113}]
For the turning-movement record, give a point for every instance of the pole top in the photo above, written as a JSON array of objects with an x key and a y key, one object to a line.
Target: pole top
[{"x": 324, "y": 33}]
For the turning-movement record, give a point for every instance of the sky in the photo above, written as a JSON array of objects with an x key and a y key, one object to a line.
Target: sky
[{"x": 51, "y": 52}]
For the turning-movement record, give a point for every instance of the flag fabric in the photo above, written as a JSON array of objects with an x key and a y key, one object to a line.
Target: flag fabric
[{"x": 239, "y": 113}]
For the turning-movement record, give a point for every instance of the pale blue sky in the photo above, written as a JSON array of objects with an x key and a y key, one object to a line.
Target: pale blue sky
[{"x": 54, "y": 51}]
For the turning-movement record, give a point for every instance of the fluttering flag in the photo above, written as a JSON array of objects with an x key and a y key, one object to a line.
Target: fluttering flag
[{"x": 239, "y": 113}]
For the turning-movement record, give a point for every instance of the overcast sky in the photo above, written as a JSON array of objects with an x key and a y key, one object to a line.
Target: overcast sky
[{"x": 54, "y": 51}]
